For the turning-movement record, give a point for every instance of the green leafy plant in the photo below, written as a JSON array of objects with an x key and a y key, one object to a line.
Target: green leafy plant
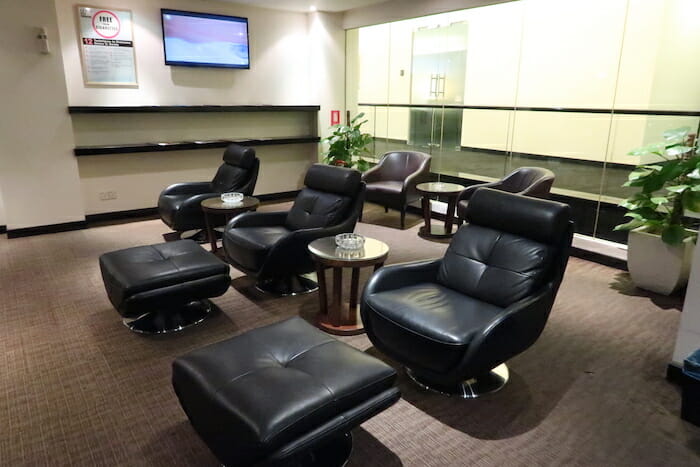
[
  {"x": 667, "y": 189},
  {"x": 347, "y": 144}
]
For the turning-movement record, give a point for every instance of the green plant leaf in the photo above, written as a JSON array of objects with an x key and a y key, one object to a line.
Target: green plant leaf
[
  {"x": 656, "y": 148},
  {"x": 691, "y": 200},
  {"x": 633, "y": 224},
  {"x": 676, "y": 134},
  {"x": 678, "y": 150},
  {"x": 659, "y": 200},
  {"x": 673, "y": 234},
  {"x": 677, "y": 188}
]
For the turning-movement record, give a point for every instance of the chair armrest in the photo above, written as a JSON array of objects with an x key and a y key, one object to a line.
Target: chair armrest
[
  {"x": 512, "y": 331},
  {"x": 469, "y": 191},
  {"x": 257, "y": 219},
  {"x": 189, "y": 188},
  {"x": 401, "y": 275},
  {"x": 374, "y": 174}
]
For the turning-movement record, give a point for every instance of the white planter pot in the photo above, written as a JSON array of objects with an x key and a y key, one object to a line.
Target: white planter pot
[{"x": 657, "y": 266}]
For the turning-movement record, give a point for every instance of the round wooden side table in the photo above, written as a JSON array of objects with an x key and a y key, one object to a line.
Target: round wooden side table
[
  {"x": 450, "y": 191},
  {"x": 342, "y": 318},
  {"x": 214, "y": 206}
]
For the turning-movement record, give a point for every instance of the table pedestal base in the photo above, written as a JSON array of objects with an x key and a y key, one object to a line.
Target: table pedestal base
[
  {"x": 347, "y": 329},
  {"x": 436, "y": 231}
]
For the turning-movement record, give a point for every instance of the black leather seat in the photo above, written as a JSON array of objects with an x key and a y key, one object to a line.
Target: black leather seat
[
  {"x": 284, "y": 392},
  {"x": 526, "y": 181},
  {"x": 272, "y": 246},
  {"x": 179, "y": 204},
  {"x": 392, "y": 182},
  {"x": 163, "y": 288},
  {"x": 460, "y": 317}
]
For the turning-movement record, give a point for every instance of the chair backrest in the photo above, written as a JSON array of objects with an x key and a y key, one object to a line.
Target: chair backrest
[
  {"x": 530, "y": 181},
  {"x": 511, "y": 247},
  {"x": 397, "y": 166},
  {"x": 327, "y": 199},
  {"x": 238, "y": 172}
]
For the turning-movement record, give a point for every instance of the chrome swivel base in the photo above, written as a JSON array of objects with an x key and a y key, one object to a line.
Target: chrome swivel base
[
  {"x": 471, "y": 388},
  {"x": 169, "y": 320},
  {"x": 334, "y": 453},
  {"x": 288, "y": 286}
]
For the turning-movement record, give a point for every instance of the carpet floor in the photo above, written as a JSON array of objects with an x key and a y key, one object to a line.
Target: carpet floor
[{"x": 77, "y": 388}]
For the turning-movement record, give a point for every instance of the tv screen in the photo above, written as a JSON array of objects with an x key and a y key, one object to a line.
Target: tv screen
[{"x": 202, "y": 39}]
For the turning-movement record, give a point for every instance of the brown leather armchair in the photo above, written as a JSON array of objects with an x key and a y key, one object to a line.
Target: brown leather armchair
[
  {"x": 392, "y": 182},
  {"x": 526, "y": 181}
]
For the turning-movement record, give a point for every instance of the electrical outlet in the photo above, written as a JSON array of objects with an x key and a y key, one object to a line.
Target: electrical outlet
[{"x": 107, "y": 195}]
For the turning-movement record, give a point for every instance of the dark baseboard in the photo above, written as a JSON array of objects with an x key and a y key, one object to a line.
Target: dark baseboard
[
  {"x": 3, "y": 229},
  {"x": 120, "y": 215},
  {"x": 599, "y": 258},
  {"x": 674, "y": 374},
  {"x": 46, "y": 229}
]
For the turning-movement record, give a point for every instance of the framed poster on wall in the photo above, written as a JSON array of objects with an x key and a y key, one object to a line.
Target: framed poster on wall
[{"x": 106, "y": 46}]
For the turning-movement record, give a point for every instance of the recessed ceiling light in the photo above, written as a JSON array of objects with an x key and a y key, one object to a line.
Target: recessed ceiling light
[{"x": 312, "y": 8}]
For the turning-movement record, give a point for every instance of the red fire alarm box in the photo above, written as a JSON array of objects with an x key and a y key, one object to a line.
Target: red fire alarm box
[{"x": 335, "y": 117}]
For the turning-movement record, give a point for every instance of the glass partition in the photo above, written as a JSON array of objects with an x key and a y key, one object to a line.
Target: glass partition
[{"x": 568, "y": 85}]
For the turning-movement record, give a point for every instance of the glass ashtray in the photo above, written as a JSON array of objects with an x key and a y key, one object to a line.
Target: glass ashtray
[
  {"x": 231, "y": 198},
  {"x": 350, "y": 241}
]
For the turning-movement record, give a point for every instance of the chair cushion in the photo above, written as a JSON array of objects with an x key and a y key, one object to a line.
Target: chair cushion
[
  {"x": 537, "y": 219},
  {"x": 252, "y": 244},
  {"x": 494, "y": 267},
  {"x": 426, "y": 320},
  {"x": 169, "y": 205},
  {"x": 240, "y": 156},
  {"x": 253, "y": 393},
  {"x": 230, "y": 178},
  {"x": 386, "y": 186},
  {"x": 315, "y": 209},
  {"x": 331, "y": 179},
  {"x": 131, "y": 272}
]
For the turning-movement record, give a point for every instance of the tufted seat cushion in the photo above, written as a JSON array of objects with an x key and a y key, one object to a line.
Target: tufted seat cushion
[
  {"x": 254, "y": 242},
  {"x": 426, "y": 320},
  {"x": 313, "y": 209},
  {"x": 250, "y": 395},
  {"x": 143, "y": 278}
]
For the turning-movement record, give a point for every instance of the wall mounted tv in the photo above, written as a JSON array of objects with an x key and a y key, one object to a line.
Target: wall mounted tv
[{"x": 205, "y": 40}]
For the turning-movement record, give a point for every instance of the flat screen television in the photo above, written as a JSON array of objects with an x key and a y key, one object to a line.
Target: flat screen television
[{"x": 205, "y": 40}]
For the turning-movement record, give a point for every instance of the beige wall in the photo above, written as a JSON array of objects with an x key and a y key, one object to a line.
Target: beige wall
[
  {"x": 296, "y": 59},
  {"x": 38, "y": 172}
]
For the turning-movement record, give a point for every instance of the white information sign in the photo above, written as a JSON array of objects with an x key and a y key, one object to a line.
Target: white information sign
[{"x": 107, "y": 46}]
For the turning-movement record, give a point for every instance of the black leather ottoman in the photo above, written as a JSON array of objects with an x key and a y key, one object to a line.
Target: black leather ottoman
[
  {"x": 284, "y": 394},
  {"x": 163, "y": 288}
]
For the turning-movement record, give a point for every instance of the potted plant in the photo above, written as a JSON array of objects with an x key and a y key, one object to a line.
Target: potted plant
[
  {"x": 347, "y": 144},
  {"x": 661, "y": 238}
]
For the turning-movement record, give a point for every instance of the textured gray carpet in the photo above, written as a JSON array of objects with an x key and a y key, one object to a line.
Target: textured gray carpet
[{"x": 77, "y": 388}]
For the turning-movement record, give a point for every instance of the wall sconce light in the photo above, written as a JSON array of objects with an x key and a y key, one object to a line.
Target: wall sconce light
[{"x": 43, "y": 39}]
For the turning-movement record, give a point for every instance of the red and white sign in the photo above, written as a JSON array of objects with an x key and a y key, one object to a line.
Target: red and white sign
[
  {"x": 107, "y": 46},
  {"x": 335, "y": 117},
  {"x": 106, "y": 24}
]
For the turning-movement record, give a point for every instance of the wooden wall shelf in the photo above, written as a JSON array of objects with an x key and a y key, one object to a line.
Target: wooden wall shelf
[
  {"x": 188, "y": 145},
  {"x": 191, "y": 108}
]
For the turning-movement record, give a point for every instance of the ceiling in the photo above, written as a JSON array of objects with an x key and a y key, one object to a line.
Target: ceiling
[{"x": 304, "y": 5}]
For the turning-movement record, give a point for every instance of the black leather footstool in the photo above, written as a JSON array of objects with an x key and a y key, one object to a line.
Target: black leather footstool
[
  {"x": 163, "y": 288},
  {"x": 284, "y": 394}
]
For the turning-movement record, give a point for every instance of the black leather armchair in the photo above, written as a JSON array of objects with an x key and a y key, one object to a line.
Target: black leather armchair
[
  {"x": 272, "y": 246},
  {"x": 179, "y": 204},
  {"x": 526, "y": 181},
  {"x": 392, "y": 182},
  {"x": 455, "y": 321}
]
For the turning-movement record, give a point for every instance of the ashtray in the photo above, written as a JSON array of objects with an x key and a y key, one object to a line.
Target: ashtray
[
  {"x": 350, "y": 241},
  {"x": 231, "y": 198}
]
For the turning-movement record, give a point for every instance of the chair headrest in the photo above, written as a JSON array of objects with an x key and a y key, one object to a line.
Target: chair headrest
[
  {"x": 537, "y": 219},
  {"x": 333, "y": 179},
  {"x": 239, "y": 156}
]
